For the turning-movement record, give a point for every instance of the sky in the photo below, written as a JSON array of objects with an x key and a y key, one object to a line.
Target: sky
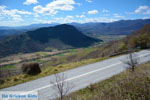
[{"x": 26, "y": 12}]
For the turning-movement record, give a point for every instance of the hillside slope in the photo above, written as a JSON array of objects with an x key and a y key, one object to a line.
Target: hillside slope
[
  {"x": 122, "y": 27},
  {"x": 141, "y": 38},
  {"x": 60, "y": 37},
  {"x": 124, "y": 86}
]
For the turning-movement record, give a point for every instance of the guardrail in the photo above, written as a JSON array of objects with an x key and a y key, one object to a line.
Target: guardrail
[{"x": 124, "y": 52}]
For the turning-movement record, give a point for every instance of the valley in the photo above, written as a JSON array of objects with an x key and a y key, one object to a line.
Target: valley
[
  {"x": 74, "y": 50},
  {"x": 56, "y": 51}
]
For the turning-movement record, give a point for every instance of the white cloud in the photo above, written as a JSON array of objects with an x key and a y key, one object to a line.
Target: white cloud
[
  {"x": 146, "y": 17},
  {"x": 79, "y": 4},
  {"x": 13, "y": 14},
  {"x": 53, "y": 7},
  {"x": 17, "y": 18},
  {"x": 28, "y": 2},
  {"x": 142, "y": 10},
  {"x": 65, "y": 5},
  {"x": 42, "y": 10},
  {"x": 2, "y": 7},
  {"x": 36, "y": 20},
  {"x": 93, "y": 12},
  {"x": 105, "y": 14},
  {"x": 59, "y": 18},
  {"x": 36, "y": 15},
  {"x": 38, "y": 9},
  {"x": 118, "y": 16},
  {"x": 67, "y": 19},
  {"x": 100, "y": 19},
  {"x": 105, "y": 11},
  {"x": 80, "y": 16},
  {"x": 89, "y": 1},
  {"x": 21, "y": 12},
  {"x": 13, "y": 11}
]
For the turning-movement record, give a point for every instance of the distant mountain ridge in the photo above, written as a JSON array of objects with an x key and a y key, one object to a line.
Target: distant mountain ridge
[
  {"x": 8, "y": 31},
  {"x": 122, "y": 27},
  {"x": 32, "y": 26},
  {"x": 59, "y": 37}
]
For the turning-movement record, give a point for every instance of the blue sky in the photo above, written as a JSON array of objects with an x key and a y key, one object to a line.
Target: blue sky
[{"x": 26, "y": 12}]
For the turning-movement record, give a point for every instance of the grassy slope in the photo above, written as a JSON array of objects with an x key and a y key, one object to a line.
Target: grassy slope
[
  {"x": 72, "y": 60},
  {"x": 62, "y": 63},
  {"x": 14, "y": 80},
  {"x": 124, "y": 86},
  {"x": 109, "y": 38}
]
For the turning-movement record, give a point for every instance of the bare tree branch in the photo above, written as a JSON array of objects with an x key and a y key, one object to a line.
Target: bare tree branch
[
  {"x": 61, "y": 86},
  {"x": 132, "y": 61}
]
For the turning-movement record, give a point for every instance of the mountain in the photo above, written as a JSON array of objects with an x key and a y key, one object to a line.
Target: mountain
[
  {"x": 141, "y": 38},
  {"x": 144, "y": 30},
  {"x": 122, "y": 27},
  {"x": 35, "y": 26},
  {"x": 32, "y": 26},
  {"x": 8, "y": 31},
  {"x": 60, "y": 37}
]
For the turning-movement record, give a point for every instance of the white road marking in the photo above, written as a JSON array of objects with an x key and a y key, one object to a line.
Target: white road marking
[
  {"x": 84, "y": 74},
  {"x": 79, "y": 76}
]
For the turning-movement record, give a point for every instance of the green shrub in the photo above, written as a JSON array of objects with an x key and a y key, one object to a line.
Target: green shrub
[
  {"x": 31, "y": 69},
  {"x": 2, "y": 81},
  {"x": 142, "y": 41}
]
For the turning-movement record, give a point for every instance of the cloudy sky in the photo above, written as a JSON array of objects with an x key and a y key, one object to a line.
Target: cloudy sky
[{"x": 26, "y": 12}]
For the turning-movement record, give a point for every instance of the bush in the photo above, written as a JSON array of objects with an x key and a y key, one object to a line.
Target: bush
[
  {"x": 142, "y": 41},
  {"x": 2, "y": 81},
  {"x": 124, "y": 86},
  {"x": 1, "y": 73},
  {"x": 31, "y": 69}
]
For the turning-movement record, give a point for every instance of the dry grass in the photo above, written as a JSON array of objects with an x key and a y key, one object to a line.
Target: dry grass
[
  {"x": 82, "y": 56},
  {"x": 14, "y": 80},
  {"x": 125, "y": 86}
]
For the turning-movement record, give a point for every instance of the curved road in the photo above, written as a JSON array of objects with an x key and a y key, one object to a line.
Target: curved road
[{"x": 81, "y": 76}]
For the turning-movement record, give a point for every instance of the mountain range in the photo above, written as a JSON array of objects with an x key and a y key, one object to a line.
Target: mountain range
[
  {"x": 122, "y": 27},
  {"x": 59, "y": 37},
  {"x": 7, "y": 31}
]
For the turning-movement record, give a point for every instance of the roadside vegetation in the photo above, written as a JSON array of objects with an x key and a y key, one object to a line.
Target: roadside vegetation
[
  {"x": 80, "y": 56},
  {"x": 109, "y": 38},
  {"x": 8, "y": 67},
  {"x": 124, "y": 86},
  {"x": 21, "y": 78}
]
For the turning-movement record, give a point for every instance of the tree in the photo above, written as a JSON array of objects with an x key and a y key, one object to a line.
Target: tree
[
  {"x": 142, "y": 41},
  {"x": 61, "y": 86},
  {"x": 0, "y": 70},
  {"x": 1, "y": 76},
  {"x": 132, "y": 61}
]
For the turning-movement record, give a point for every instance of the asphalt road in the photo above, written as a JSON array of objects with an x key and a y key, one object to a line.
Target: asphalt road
[{"x": 80, "y": 77}]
